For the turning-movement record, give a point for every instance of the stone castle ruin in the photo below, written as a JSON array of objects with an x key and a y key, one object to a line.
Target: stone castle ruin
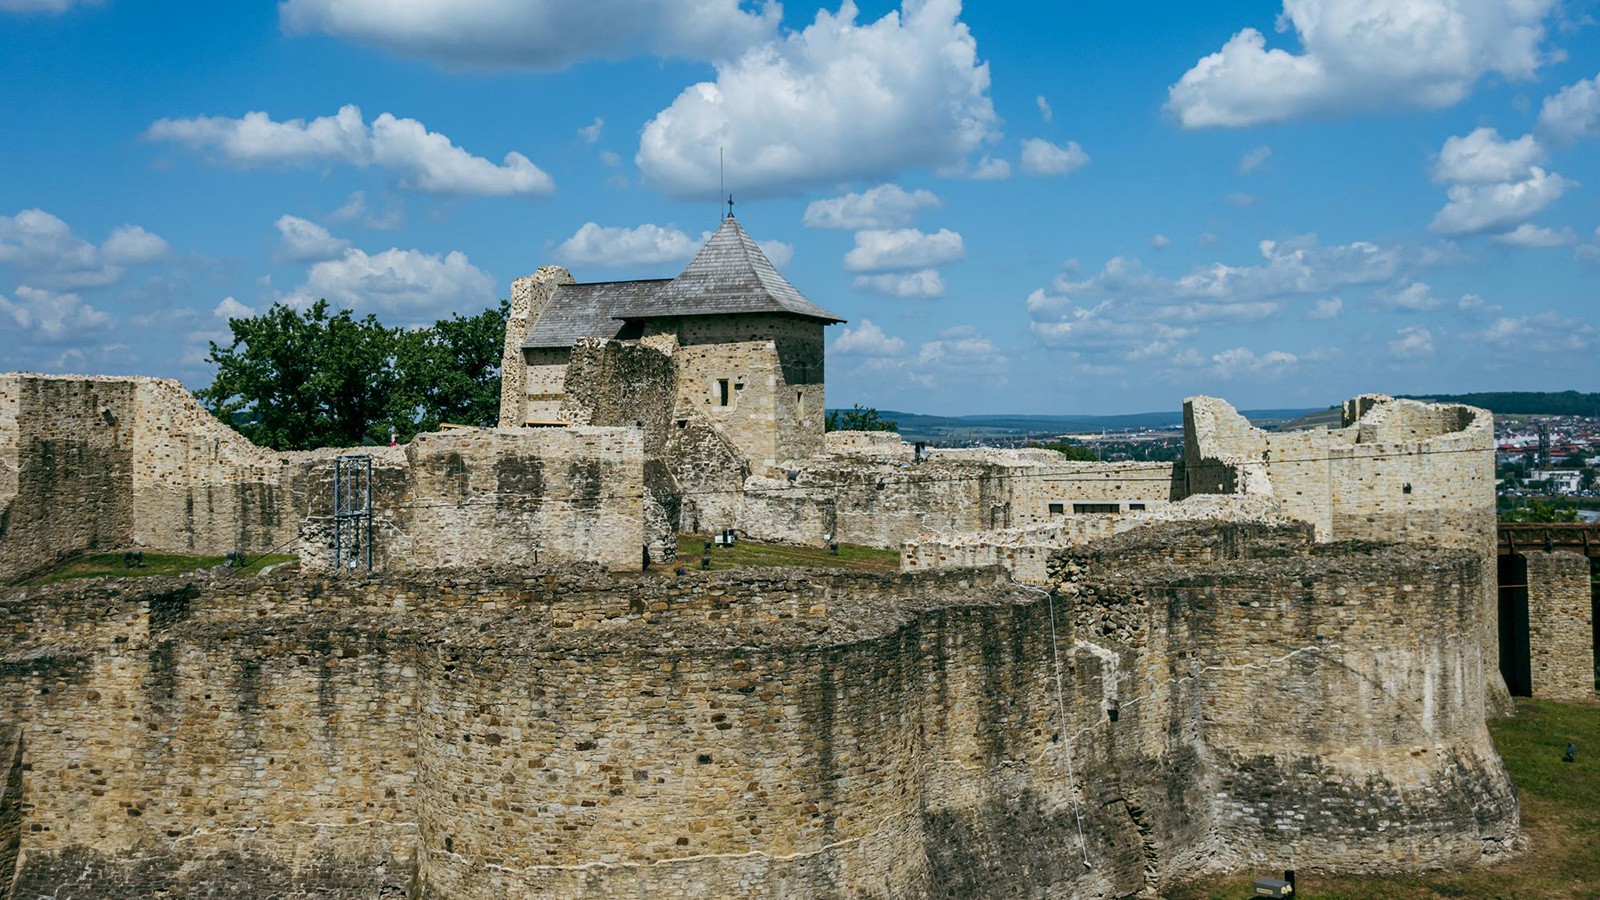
[{"x": 1087, "y": 680}]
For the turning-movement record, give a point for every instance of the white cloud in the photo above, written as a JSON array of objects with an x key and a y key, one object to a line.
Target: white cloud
[
  {"x": 1362, "y": 54},
  {"x": 922, "y": 283},
  {"x": 1483, "y": 156},
  {"x": 645, "y": 245},
  {"x": 867, "y": 339},
  {"x": 1326, "y": 309},
  {"x": 1483, "y": 207},
  {"x": 1254, "y": 160},
  {"x": 836, "y": 101},
  {"x": 990, "y": 169},
  {"x": 1040, "y": 157},
  {"x": 405, "y": 282},
  {"x": 885, "y": 206},
  {"x": 1241, "y": 361},
  {"x": 903, "y": 248},
  {"x": 540, "y": 35},
  {"x": 305, "y": 241},
  {"x": 1160, "y": 242},
  {"x": 962, "y": 349},
  {"x": 1590, "y": 250},
  {"x": 425, "y": 160},
  {"x": 1045, "y": 112},
  {"x": 1530, "y": 235},
  {"x": 1294, "y": 266},
  {"x": 131, "y": 245},
  {"x": 1412, "y": 342},
  {"x": 1416, "y": 296},
  {"x": 591, "y": 132},
  {"x": 1546, "y": 332},
  {"x": 44, "y": 248},
  {"x": 47, "y": 7},
  {"x": 1572, "y": 114},
  {"x": 1211, "y": 311},
  {"x": 51, "y": 316},
  {"x": 230, "y": 308},
  {"x": 777, "y": 252},
  {"x": 356, "y": 209}
]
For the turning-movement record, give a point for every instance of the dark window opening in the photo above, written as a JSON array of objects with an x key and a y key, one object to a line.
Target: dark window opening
[
  {"x": 1090, "y": 508},
  {"x": 722, "y": 392},
  {"x": 1134, "y": 507},
  {"x": 1057, "y": 509}
]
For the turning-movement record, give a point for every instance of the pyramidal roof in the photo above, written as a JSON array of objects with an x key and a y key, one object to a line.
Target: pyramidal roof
[{"x": 730, "y": 274}]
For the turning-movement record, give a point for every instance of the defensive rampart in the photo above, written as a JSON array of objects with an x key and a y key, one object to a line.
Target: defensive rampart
[{"x": 1183, "y": 698}]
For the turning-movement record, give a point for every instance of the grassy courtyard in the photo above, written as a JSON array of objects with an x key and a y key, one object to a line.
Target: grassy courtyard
[
  {"x": 1560, "y": 815},
  {"x": 750, "y": 553}
]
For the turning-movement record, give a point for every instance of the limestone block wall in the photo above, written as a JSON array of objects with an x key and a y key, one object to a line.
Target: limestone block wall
[
  {"x": 66, "y": 468},
  {"x": 563, "y": 733},
  {"x": 481, "y": 497},
  {"x": 529, "y": 297},
  {"x": 1560, "y": 633},
  {"x": 1323, "y": 724},
  {"x": 779, "y": 357},
  {"x": 90, "y": 463},
  {"x": 165, "y": 755},
  {"x": 544, "y": 379}
]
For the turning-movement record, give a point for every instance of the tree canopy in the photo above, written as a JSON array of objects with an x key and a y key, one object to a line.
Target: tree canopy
[
  {"x": 861, "y": 418},
  {"x": 296, "y": 380}
]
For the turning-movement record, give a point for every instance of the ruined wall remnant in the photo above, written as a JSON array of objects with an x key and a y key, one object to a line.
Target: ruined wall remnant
[
  {"x": 529, "y": 297},
  {"x": 1560, "y": 631},
  {"x": 1185, "y": 697},
  {"x": 104, "y": 464}
]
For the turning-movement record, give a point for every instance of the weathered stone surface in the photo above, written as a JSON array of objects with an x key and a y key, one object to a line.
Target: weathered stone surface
[
  {"x": 1185, "y": 696},
  {"x": 1560, "y": 635}
]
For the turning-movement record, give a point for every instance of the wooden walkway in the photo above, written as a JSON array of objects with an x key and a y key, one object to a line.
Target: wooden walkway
[{"x": 1521, "y": 537}]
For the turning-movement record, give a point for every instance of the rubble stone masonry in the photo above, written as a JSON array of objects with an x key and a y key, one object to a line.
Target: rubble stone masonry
[
  {"x": 1182, "y": 698},
  {"x": 1560, "y": 639}
]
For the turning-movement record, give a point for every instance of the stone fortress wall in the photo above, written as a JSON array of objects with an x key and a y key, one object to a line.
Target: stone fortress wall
[
  {"x": 563, "y": 732},
  {"x": 107, "y": 464}
]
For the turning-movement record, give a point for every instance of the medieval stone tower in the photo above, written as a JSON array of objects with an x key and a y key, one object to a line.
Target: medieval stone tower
[{"x": 746, "y": 346}]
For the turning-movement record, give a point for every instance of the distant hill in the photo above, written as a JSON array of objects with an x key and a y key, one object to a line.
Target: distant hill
[
  {"x": 953, "y": 429},
  {"x": 1524, "y": 403}
]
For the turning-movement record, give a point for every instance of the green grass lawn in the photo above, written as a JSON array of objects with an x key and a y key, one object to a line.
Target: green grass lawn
[
  {"x": 110, "y": 565},
  {"x": 1560, "y": 814},
  {"x": 750, "y": 553}
]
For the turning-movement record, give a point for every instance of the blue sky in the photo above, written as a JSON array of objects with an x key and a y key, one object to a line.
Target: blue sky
[{"x": 1047, "y": 208}]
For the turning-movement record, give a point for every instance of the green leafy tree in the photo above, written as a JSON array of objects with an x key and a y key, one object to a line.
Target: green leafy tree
[
  {"x": 297, "y": 380},
  {"x": 1073, "y": 452},
  {"x": 451, "y": 372},
  {"x": 1540, "y": 511},
  {"x": 861, "y": 418}
]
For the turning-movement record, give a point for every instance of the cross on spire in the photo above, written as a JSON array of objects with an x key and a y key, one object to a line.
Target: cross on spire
[{"x": 730, "y": 206}]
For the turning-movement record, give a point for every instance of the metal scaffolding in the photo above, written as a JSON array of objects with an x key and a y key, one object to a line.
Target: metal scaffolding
[{"x": 352, "y": 512}]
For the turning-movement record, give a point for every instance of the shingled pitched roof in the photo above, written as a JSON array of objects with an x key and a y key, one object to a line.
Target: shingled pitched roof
[
  {"x": 586, "y": 310},
  {"x": 730, "y": 274}
]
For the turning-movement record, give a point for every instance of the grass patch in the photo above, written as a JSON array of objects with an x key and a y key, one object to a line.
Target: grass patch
[
  {"x": 110, "y": 565},
  {"x": 757, "y": 555},
  {"x": 1560, "y": 815}
]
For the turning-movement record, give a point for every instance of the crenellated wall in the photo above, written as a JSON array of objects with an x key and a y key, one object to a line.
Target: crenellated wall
[{"x": 564, "y": 732}]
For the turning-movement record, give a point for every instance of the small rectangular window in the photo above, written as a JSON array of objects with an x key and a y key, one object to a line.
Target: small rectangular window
[
  {"x": 722, "y": 392},
  {"x": 1135, "y": 507},
  {"x": 1091, "y": 508},
  {"x": 1058, "y": 509}
]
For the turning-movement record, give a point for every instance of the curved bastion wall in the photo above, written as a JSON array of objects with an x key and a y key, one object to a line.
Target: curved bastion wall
[{"x": 1184, "y": 697}]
